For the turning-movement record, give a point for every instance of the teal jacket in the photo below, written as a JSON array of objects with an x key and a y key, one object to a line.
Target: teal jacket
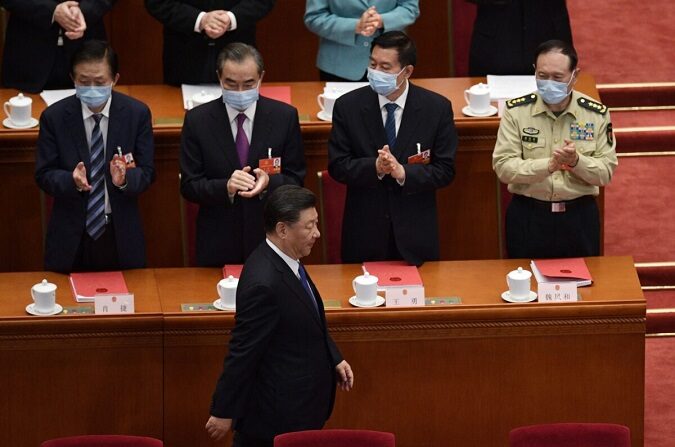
[{"x": 342, "y": 52}]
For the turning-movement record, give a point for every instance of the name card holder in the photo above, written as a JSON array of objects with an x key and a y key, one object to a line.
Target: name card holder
[
  {"x": 111, "y": 304},
  {"x": 404, "y": 296},
  {"x": 558, "y": 292}
]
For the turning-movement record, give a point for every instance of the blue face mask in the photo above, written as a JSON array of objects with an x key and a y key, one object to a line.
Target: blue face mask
[
  {"x": 93, "y": 95},
  {"x": 553, "y": 92},
  {"x": 241, "y": 100},
  {"x": 383, "y": 83}
]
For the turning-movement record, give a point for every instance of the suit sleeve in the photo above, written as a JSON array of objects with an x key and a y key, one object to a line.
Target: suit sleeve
[
  {"x": 256, "y": 320},
  {"x": 174, "y": 14},
  {"x": 248, "y": 12},
  {"x": 140, "y": 177},
  {"x": 293, "y": 168},
  {"x": 441, "y": 170},
  {"x": 94, "y": 10},
  {"x": 49, "y": 175},
  {"x": 344, "y": 164},
  {"x": 405, "y": 13},
  {"x": 194, "y": 184},
  {"x": 38, "y": 12},
  {"x": 320, "y": 20}
]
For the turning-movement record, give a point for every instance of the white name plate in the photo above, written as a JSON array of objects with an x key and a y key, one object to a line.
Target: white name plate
[
  {"x": 114, "y": 304},
  {"x": 411, "y": 296},
  {"x": 557, "y": 291}
]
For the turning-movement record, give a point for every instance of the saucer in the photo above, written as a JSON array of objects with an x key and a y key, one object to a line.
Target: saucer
[
  {"x": 8, "y": 124},
  {"x": 378, "y": 302},
  {"x": 491, "y": 111},
  {"x": 220, "y": 306},
  {"x": 56, "y": 310},
  {"x": 506, "y": 296},
  {"x": 323, "y": 116}
]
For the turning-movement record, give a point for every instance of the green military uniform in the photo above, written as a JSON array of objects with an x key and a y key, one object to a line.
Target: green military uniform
[{"x": 528, "y": 134}]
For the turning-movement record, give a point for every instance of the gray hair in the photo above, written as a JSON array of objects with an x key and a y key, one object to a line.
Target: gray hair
[{"x": 238, "y": 52}]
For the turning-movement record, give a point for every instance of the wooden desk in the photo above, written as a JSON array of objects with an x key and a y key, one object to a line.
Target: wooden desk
[
  {"x": 459, "y": 375},
  {"x": 468, "y": 208},
  {"x": 70, "y": 375}
]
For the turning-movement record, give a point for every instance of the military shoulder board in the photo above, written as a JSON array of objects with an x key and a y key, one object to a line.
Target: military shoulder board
[
  {"x": 592, "y": 105},
  {"x": 527, "y": 99}
]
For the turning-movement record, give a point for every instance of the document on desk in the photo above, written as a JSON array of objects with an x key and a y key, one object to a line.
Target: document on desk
[
  {"x": 52, "y": 96},
  {"x": 562, "y": 270},
  {"x": 508, "y": 87}
]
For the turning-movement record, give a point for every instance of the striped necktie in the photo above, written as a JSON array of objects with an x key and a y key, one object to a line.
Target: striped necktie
[
  {"x": 390, "y": 124},
  {"x": 96, "y": 202}
]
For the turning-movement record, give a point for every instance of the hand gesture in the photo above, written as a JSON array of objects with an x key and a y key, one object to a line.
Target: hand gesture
[
  {"x": 345, "y": 376},
  {"x": 80, "y": 177},
  {"x": 118, "y": 170},
  {"x": 369, "y": 22},
  {"x": 262, "y": 180},
  {"x": 215, "y": 23},
  {"x": 217, "y": 428}
]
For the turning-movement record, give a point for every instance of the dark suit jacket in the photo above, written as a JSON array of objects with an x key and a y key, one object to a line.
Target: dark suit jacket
[
  {"x": 61, "y": 145},
  {"x": 228, "y": 232},
  {"x": 374, "y": 206},
  {"x": 190, "y": 57},
  {"x": 31, "y": 41},
  {"x": 506, "y": 33},
  {"x": 279, "y": 374}
]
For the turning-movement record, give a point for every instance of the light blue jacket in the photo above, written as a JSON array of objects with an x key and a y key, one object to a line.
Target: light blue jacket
[{"x": 342, "y": 52}]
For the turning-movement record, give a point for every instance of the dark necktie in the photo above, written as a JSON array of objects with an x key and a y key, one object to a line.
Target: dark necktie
[
  {"x": 242, "y": 142},
  {"x": 96, "y": 201},
  {"x": 390, "y": 124},
  {"x": 305, "y": 284}
]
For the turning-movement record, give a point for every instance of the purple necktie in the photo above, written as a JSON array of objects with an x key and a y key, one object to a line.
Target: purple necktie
[{"x": 242, "y": 140}]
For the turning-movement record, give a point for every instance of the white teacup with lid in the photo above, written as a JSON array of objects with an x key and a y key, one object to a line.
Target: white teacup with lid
[
  {"x": 18, "y": 110},
  {"x": 44, "y": 296},
  {"x": 478, "y": 98},
  {"x": 326, "y": 101},
  {"x": 227, "y": 291},
  {"x": 519, "y": 284},
  {"x": 365, "y": 288}
]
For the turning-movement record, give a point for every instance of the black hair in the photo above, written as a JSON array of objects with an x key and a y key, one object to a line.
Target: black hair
[
  {"x": 94, "y": 51},
  {"x": 285, "y": 205},
  {"x": 558, "y": 46},
  {"x": 404, "y": 46}
]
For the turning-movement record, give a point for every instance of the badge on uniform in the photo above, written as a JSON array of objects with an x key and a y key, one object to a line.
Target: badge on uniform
[
  {"x": 610, "y": 134},
  {"x": 530, "y": 131},
  {"x": 581, "y": 132},
  {"x": 421, "y": 157},
  {"x": 271, "y": 165}
]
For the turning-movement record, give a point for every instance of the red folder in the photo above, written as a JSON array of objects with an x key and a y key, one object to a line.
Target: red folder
[
  {"x": 233, "y": 269},
  {"x": 86, "y": 286},
  {"x": 279, "y": 92},
  {"x": 566, "y": 269},
  {"x": 394, "y": 273}
]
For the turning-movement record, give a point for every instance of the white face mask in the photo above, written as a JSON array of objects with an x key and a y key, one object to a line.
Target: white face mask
[
  {"x": 241, "y": 100},
  {"x": 383, "y": 83},
  {"x": 553, "y": 92}
]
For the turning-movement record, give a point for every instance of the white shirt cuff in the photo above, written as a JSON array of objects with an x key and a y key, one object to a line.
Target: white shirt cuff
[
  {"x": 233, "y": 21},
  {"x": 198, "y": 22}
]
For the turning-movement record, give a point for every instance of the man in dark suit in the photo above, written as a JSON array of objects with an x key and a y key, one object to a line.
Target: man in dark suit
[
  {"x": 196, "y": 30},
  {"x": 393, "y": 144},
  {"x": 95, "y": 156},
  {"x": 506, "y": 34},
  {"x": 42, "y": 37},
  {"x": 282, "y": 366},
  {"x": 223, "y": 145}
]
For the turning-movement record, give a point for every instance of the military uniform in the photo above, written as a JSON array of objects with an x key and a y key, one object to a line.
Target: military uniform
[{"x": 553, "y": 214}]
